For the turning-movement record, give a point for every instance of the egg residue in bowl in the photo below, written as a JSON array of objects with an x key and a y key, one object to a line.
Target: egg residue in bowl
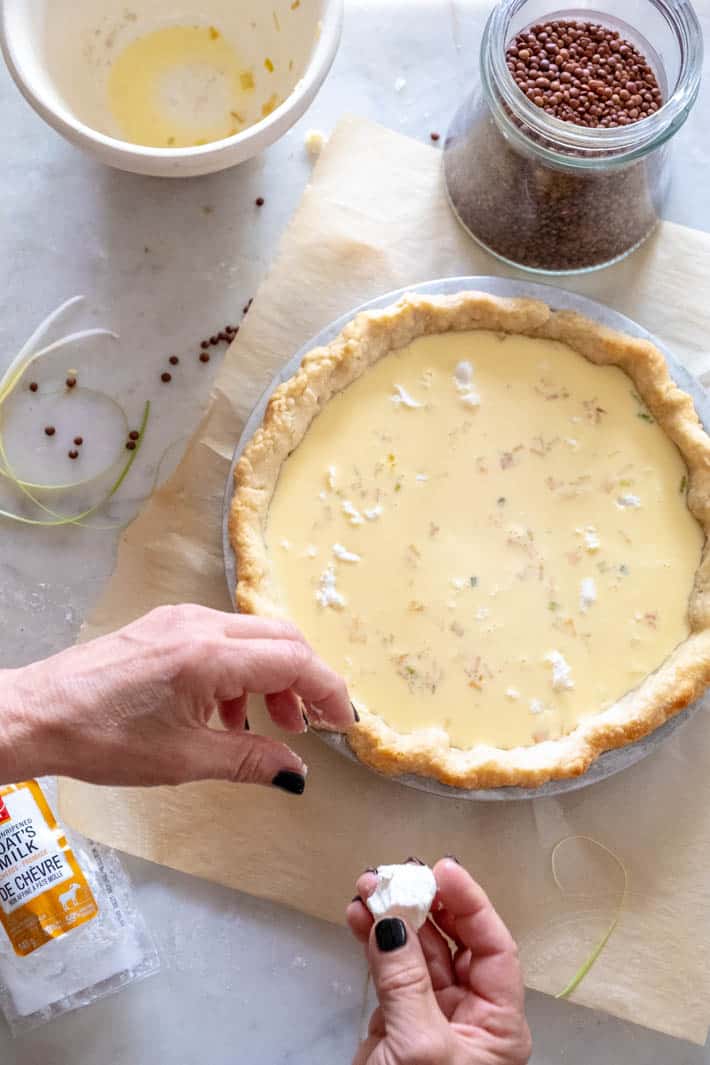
[{"x": 182, "y": 86}]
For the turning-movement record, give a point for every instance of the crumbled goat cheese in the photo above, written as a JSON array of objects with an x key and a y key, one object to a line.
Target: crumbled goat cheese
[
  {"x": 628, "y": 501},
  {"x": 327, "y": 594},
  {"x": 591, "y": 538},
  {"x": 352, "y": 513},
  {"x": 403, "y": 398},
  {"x": 561, "y": 671},
  {"x": 463, "y": 376},
  {"x": 314, "y": 141},
  {"x": 587, "y": 594},
  {"x": 405, "y": 891},
  {"x": 344, "y": 555}
]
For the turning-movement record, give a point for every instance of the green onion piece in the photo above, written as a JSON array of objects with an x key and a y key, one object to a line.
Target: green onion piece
[
  {"x": 596, "y": 952},
  {"x": 584, "y": 969}
]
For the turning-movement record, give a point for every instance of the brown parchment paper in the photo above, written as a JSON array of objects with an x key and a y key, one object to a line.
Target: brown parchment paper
[{"x": 375, "y": 218}]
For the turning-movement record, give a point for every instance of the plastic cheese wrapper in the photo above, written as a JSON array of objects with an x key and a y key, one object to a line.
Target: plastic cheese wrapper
[{"x": 70, "y": 932}]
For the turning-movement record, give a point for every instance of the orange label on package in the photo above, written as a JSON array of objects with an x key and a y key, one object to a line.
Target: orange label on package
[{"x": 43, "y": 892}]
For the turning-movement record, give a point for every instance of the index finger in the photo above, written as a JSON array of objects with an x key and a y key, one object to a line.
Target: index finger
[
  {"x": 267, "y": 666},
  {"x": 474, "y": 924}
]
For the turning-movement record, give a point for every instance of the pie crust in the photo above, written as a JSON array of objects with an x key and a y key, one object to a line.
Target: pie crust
[{"x": 325, "y": 371}]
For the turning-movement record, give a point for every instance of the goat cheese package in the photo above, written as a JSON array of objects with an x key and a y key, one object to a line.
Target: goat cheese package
[{"x": 69, "y": 929}]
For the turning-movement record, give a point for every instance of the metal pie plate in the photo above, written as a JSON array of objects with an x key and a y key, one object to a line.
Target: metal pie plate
[{"x": 610, "y": 762}]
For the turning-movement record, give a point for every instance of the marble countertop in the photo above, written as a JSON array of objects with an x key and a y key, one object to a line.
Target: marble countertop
[{"x": 165, "y": 263}]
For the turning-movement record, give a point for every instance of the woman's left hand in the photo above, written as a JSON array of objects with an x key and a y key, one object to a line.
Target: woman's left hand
[{"x": 439, "y": 1008}]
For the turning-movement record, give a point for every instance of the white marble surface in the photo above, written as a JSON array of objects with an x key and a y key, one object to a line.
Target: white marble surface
[{"x": 165, "y": 263}]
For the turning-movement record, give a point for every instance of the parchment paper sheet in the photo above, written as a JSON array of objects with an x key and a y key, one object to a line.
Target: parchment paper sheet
[{"x": 373, "y": 219}]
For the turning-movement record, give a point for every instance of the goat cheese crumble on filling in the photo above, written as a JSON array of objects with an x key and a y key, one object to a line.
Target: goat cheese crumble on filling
[
  {"x": 587, "y": 594},
  {"x": 561, "y": 671}
]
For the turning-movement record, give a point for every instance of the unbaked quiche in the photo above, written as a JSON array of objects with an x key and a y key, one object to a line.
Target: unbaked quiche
[{"x": 490, "y": 517}]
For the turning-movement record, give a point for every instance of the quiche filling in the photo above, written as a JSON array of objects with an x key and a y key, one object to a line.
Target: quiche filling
[{"x": 487, "y": 533}]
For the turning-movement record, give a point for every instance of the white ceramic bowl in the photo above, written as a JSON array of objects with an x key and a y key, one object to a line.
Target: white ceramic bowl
[{"x": 60, "y": 53}]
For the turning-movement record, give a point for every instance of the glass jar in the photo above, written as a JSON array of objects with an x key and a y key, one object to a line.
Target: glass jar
[{"x": 553, "y": 197}]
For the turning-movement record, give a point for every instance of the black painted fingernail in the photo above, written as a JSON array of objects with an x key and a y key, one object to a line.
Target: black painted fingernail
[
  {"x": 247, "y": 726},
  {"x": 390, "y": 934},
  {"x": 355, "y": 714},
  {"x": 287, "y": 780},
  {"x": 452, "y": 858},
  {"x": 357, "y": 898},
  {"x": 370, "y": 869},
  {"x": 413, "y": 861}
]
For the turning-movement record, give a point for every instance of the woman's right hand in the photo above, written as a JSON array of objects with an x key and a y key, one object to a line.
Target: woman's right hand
[
  {"x": 136, "y": 707},
  {"x": 439, "y": 1008}
]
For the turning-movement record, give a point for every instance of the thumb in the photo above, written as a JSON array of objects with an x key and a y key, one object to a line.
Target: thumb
[
  {"x": 404, "y": 989},
  {"x": 243, "y": 757}
]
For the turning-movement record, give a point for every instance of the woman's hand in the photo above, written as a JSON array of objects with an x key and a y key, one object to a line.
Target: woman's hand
[
  {"x": 133, "y": 707},
  {"x": 439, "y": 1008}
]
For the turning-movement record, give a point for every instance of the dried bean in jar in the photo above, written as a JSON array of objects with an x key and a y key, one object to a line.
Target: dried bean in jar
[
  {"x": 540, "y": 198},
  {"x": 545, "y": 218}
]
